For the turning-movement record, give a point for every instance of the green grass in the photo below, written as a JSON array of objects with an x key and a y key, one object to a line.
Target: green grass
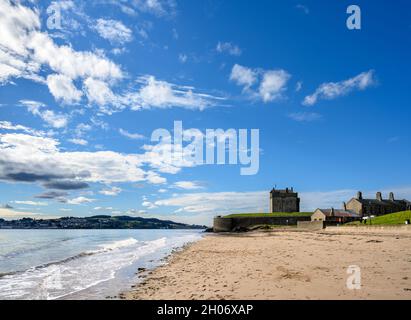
[
  {"x": 275, "y": 214},
  {"x": 387, "y": 219}
]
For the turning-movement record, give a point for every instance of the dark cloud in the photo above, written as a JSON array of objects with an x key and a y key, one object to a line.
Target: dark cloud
[
  {"x": 7, "y": 206},
  {"x": 52, "y": 195},
  {"x": 31, "y": 177},
  {"x": 66, "y": 185}
]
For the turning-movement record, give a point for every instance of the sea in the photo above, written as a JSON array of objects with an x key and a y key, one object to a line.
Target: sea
[{"x": 81, "y": 264}]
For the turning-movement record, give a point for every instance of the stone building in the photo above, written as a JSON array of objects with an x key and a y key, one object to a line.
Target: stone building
[
  {"x": 335, "y": 216},
  {"x": 285, "y": 200},
  {"x": 377, "y": 206}
]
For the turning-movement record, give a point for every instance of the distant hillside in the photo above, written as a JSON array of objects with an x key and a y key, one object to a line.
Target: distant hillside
[
  {"x": 96, "y": 222},
  {"x": 388, "y": 219},
  {"x": 274, "y": 214}
]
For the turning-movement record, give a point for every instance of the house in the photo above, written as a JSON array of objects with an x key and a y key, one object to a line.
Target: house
[
  {"x": 335, "y": 216},
  {"x": 285, "y": 200},
  {"x": 377, "y": 206}
]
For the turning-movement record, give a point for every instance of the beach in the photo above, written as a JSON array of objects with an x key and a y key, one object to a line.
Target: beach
[{"x": 285, "y": 265}]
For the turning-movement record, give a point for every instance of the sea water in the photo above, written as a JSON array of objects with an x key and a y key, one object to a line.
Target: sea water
[{"x": 81, "y": 264}]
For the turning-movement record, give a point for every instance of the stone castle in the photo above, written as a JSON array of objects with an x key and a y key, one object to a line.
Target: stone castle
[{"x": 285, "y": 200}]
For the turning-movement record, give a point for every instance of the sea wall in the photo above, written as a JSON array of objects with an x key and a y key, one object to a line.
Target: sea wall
[
  {"x": 310, "y": 225},
  {"x": 222, "y": 224}
]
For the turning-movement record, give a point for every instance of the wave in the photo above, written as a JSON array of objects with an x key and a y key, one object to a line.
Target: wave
[{"x": 57, "y": 279}]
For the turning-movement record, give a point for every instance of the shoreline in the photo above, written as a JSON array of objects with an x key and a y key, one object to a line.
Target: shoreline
[{"x": 283, "y": 264}]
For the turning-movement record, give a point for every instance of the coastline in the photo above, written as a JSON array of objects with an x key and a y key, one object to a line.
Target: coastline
[{"x": 284, "y": 264}]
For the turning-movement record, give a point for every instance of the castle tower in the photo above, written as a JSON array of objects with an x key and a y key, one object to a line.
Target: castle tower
[{"x": 285, "y": 200}]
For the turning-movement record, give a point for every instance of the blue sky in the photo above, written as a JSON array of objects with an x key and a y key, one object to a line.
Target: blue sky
[{"x": 78, "y": 103}]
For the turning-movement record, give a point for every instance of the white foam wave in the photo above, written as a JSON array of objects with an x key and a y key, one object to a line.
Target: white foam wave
[{"x": 60, "y": 279}]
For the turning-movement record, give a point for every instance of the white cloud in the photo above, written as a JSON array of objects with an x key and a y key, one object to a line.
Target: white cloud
[
  {"x": 6, "y": 125},
  {"x": 332, "y": 90},
  {"x": 182, "y": 57},
  {"x": 161, "y": 94},
  {"x": 148, "y": 205},
  {"x": 56, "y": 120},
  {"x": 25, "y": 50},
  {"x": 272, "y": 83},
  {"x": 218, "y": 202},
  {"x": 305, "y": 116},
  {"x": 133, "y": 136},
  {"x": 31, "y": 203},
  {"x": 63, "y": 89},
  {"x": 114, "y": 31},
  {"x": 25, "y": 158},
  {"x": 243, "y": 76},
  {"x": 80, "y": 142},
  {"x": 298, "y": 86},
  {"x": 113, "y": 191},
  {"x": 229, "y": 48},
  {"x": 80, "y": 200},
  {"x": 157, "y": 7},
  {"x": 187, "y": 185}
]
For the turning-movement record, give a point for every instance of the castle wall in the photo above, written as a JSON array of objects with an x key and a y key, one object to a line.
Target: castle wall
[{"x": 229, "y": 224}]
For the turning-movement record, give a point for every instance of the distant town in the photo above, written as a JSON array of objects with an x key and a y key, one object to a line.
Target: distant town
[{"x": 95, "y": 222}]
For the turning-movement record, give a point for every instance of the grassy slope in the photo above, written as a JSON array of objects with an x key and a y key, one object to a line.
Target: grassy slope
[
  {"x": 388, "y": 219},
  {"x": 275, "y": 214}
]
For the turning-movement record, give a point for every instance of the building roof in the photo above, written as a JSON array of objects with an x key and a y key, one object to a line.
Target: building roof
[
  {"x": 339, "y": 213},
  {"x": 384, "y": 202}
]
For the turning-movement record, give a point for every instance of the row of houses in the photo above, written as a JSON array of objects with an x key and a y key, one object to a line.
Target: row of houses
[{"x": 358, "y": 208}]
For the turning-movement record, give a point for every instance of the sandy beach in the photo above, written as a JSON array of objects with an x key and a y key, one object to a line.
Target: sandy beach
[{"x": 285, "y": 265}]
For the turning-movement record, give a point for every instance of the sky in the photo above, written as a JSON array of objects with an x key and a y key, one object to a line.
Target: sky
[{"x": 84, "y": 84}]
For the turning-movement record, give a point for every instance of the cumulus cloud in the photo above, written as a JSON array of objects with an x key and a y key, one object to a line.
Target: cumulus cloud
[
  {"x": 243, "y": 76},
  {"x": 114, "y": 31},
  {"x": 332, "y": 90},
  {"x": 63, "y": 89},
  {"x": 228, "y": 47},
  {"x": 25, "y": 50},
  {"x": 28, "y": 158},
  {"x": 270, "y": 83},
  {"x": 113, "y": 191},
  {"x": 71, "y": 74},
  {"x": 273, "y": 84},
  {"x": 80, "y": 200}
]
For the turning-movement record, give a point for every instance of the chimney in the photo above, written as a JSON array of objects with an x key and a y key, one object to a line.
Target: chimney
[
  {"x": 332, "y": 212},
  {"x": 392, "y": 196},
  {"x": 345, "y": 206},
  {"x": 379, "y": 196},
  {"x": 359, "y": 195}
]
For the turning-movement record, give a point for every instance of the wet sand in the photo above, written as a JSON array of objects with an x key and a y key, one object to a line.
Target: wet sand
[{"x": 285, "y": 265}]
